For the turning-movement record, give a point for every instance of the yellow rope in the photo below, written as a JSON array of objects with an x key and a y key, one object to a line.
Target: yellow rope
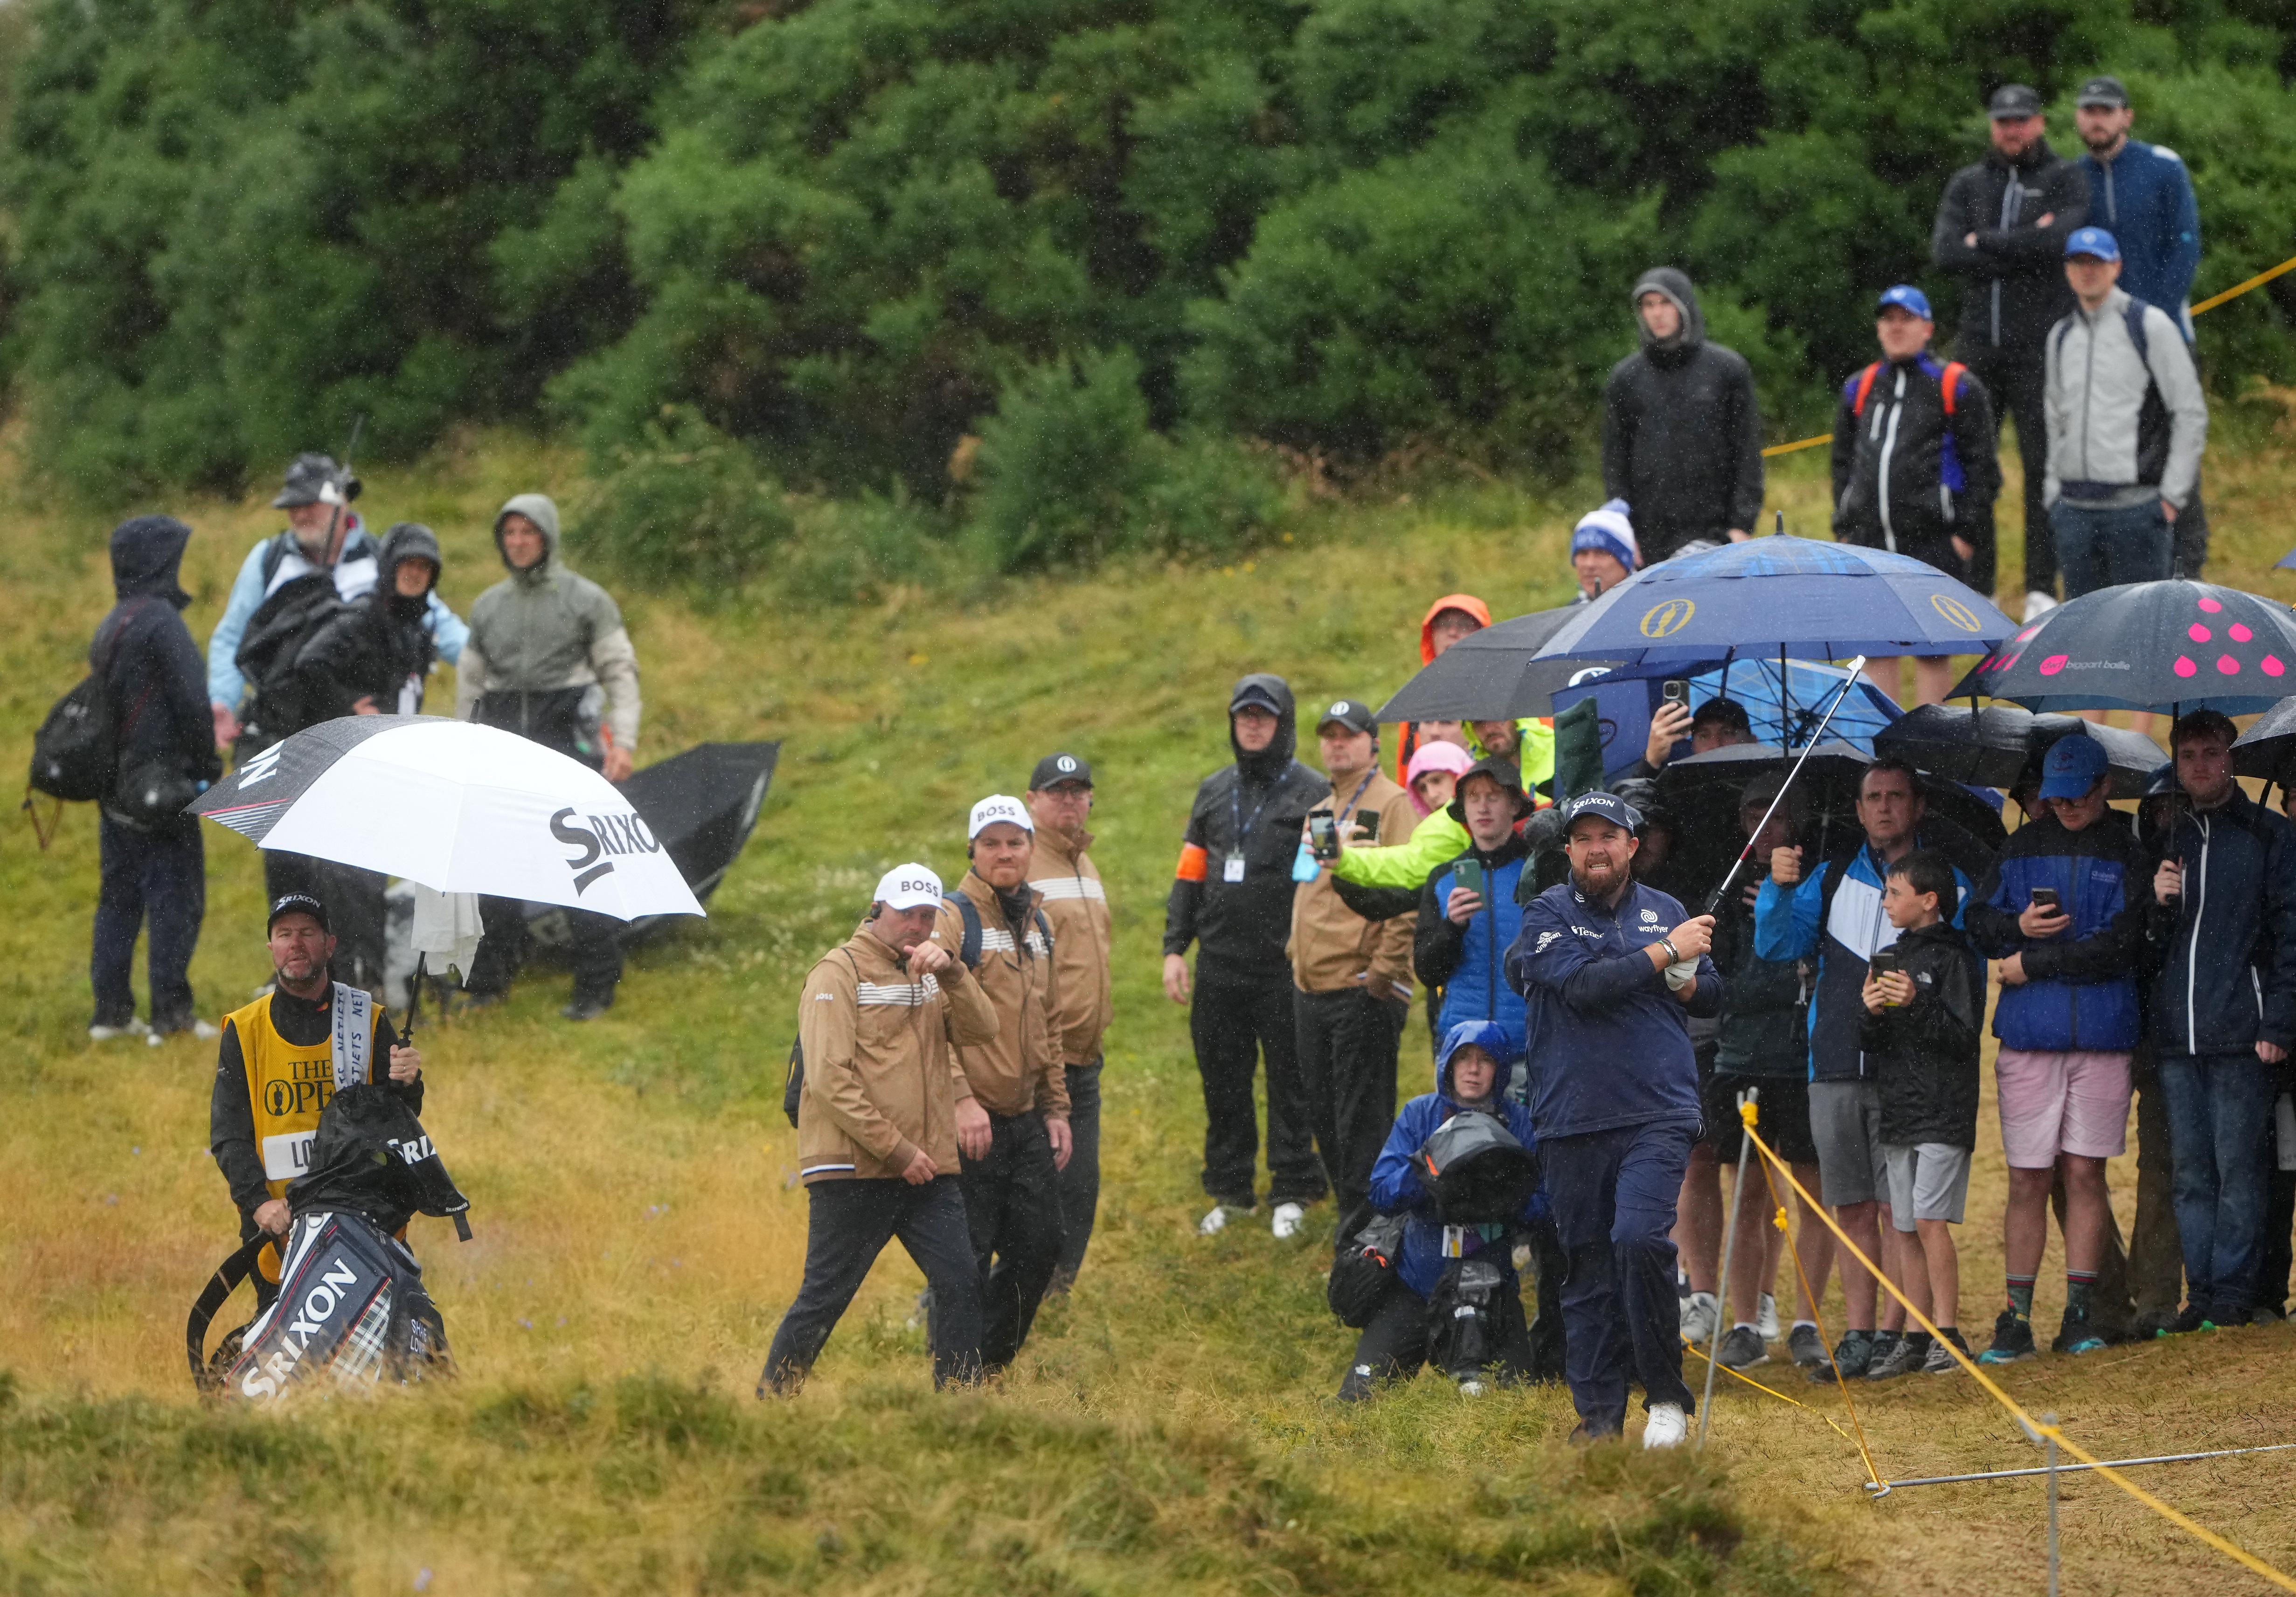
[
  {"x": 2233, "y": 292},
  {"x": 2239, "y": 1555}
]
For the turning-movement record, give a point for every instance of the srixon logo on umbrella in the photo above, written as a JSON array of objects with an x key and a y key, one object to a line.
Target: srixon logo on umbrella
[{"x": 601, "y": 841}]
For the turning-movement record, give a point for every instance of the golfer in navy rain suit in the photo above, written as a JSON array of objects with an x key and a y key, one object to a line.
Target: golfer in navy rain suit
[{"x": 1611, "y": 971}]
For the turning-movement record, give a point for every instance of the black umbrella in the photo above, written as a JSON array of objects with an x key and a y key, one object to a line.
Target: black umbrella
[
  {"x": 2147, "y": 645},
  {"x": 2264, "y": 748},
  {"x": 1996, "y": 746},
  {"x": 1488, "y": 675},
  {"x": 1831, "y": 779}
]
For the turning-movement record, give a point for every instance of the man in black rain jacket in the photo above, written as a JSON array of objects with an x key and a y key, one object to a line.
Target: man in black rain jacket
[
  {"x": 372, "y": 656},
  {"x": 1681, "y": 437},
  {"x": 154, "y": 865},
  {"x": 2001, "y": 228},
  {"x": 1232, "y": 896}
]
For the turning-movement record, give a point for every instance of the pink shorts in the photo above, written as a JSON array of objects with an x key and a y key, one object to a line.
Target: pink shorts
[{"x": 2053, "y": 1103}]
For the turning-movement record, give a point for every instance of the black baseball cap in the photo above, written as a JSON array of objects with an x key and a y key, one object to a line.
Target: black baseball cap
[
  {"x": 308, "y": 479},
  {"x": 1054, "y": 769},
  {"x": 1607, "y": 807},
  {"x": 1353, "y": 714},
  {"x": 1254, "y": 695},
  {"x": 297, "y": 903},
  {"x": 2014, "y": 100},
  {"x": 2104, "y": 89}
]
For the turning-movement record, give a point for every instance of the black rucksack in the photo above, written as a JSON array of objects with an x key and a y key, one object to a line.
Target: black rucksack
[
  {"x": 1360, "y": 1273},
  {"x": 268, "y": 653},
  {"x": 76, "y": 752}
]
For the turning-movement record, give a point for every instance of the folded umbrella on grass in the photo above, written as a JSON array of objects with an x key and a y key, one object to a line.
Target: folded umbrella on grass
[
  {"x": 459, "y": 807},
  {"x": 2146, "y": 646}
]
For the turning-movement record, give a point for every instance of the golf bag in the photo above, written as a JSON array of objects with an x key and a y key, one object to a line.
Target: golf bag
[{"x": 351, "y": 1299}]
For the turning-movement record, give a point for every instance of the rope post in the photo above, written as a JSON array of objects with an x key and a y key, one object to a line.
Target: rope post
[
  {"x": 2046, "y": 1434},
  {"x": 1747, "y": 1113}
]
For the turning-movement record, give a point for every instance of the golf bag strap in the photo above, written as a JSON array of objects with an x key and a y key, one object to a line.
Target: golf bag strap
[{"x": 235, "y": 1268}]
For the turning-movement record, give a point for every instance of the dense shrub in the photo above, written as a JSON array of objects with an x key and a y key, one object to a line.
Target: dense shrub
[{"x": 686, "y": 505}]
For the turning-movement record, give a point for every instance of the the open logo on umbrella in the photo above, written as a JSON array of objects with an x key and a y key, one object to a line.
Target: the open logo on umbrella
[{"x": 1664, "y": 620}]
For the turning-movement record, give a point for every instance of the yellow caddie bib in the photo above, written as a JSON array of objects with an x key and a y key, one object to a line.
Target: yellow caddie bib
[{"x": 290, "y": 1084}]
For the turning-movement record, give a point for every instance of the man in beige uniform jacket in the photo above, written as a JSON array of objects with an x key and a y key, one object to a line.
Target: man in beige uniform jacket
[
  {"x": 1068, "y": 885},
  {"x": 1353, "y": 975},
  {"x": 876, "y": 1131},
  {"x": 1013, "y": 1130}
]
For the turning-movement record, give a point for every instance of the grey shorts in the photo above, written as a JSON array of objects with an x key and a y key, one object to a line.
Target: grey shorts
[
  {"x": 1845, "y": 1122},
  {"x": 1928, "y": 1181}
]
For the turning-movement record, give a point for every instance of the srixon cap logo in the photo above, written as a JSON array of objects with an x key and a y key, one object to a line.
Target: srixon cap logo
[{"x": 601, "y": 841}]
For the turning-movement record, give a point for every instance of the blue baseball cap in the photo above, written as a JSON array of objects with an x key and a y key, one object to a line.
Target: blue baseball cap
[
  {"x": 2092, "y": 241},
  {"x": 1602, "y": 806},
  {"x": 2072, "y": 767},
  {"x": 1904, "y": 296}
]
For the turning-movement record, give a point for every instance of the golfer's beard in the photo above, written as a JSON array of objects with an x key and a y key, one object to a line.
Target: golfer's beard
[{"x": 1587, "y": 881}]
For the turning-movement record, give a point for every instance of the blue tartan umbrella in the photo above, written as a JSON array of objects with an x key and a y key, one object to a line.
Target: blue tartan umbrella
[{"x": 1774, "y": 595}]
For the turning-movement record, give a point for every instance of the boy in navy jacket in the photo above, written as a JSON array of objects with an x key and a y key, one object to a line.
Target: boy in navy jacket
[{"x": 2064, "y": 913}]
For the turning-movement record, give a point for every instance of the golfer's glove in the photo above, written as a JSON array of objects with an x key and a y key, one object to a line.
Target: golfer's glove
[{"x": 1681, "y": 974}]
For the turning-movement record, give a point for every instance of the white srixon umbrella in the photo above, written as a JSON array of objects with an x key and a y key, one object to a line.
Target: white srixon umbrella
[{"x": 458, "y": 807}]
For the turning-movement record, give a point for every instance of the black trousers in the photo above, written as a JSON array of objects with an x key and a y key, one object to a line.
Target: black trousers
[
  {"x": 1394, "y": 1345},
  {"x": 2017, "y": 382},
  {"x": 355, "y": 910},
  {"x": 1234, "y": 1024},
  {"x": 1080, "y": 1182},
  {"x": 1013, "y": 1211},
  {"x": 157, "y": 878},
  {"x": 847, "y": 1223},
  {"x": 2277, "y": 1254},
  {"x": 1549, "y": 1341},
  {"x": 597, "y": 949},
  {"x": 1348, "y": 1044}
]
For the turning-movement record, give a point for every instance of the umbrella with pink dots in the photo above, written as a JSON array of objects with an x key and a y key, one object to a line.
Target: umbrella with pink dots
[{"x": 2147, "y": 645}]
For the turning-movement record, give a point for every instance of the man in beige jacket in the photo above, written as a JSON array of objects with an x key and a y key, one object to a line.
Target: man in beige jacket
[
  {"x": 1068, "y": 885},
  {"x": 878, "y": 1025},
  {"x": 1353, "y": 975},
  {"x": 1013, "y": 1130}
]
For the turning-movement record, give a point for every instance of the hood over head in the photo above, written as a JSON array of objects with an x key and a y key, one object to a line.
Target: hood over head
[
  {"x": 1467, "y": 603},
  {"x": 1489, "y": 1036},
  {"x": 543, "y": 511},
  {"x": 1266, "y": 688},
  {"x": 1675, "y": 286},
  {"x": 146, "y": 552},
  {"x": 409, "y": 540}
]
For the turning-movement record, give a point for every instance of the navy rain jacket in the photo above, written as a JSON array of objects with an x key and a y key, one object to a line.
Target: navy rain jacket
[
  {"x": 2080, "y": 988},
  {"x": 2228, "y": 946}
]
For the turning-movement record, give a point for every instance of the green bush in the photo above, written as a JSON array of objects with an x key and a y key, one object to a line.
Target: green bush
[
  {"x": 687, "y": 506},
  {"x": 1062, "y": 463}
]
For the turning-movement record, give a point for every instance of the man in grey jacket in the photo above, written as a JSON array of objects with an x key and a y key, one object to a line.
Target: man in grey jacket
[
  {"x": 2126, "y": 423},
  {"x": 549, "y": 658}
]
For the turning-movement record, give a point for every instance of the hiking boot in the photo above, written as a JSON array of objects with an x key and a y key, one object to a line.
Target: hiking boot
[
  {"x": 1667, "y": 1427},
  {"x": 2077, "y": 1336},
  {"x": 1804, "y": 1347},
  {"x": 1852, "y": 1356},
  {"x": 2013, "y": 1341},
  {"x": 2194, "y": 1318},
  {"x": 1701, "y": 1316},
  {"x": 1286, "y": 1221},
  {"x": 1766, "y": 1318},
  {"x": 1741, "y": 1349},
  {"x": 1939, "y": 1360},
  {"x": 1901, "y": 1356}
]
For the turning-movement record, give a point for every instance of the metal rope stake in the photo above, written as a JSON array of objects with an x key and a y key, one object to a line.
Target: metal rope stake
[
  {"x": 1746, "y": 1113},
  {"x": 2046, "y": 1434},
  {"x": 2110, "y": 1463}
]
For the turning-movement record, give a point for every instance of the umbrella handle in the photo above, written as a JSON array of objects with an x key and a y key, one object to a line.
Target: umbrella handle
[
  {"x": 413, "y": 999},
  {"x": 1839, "y": 693}
]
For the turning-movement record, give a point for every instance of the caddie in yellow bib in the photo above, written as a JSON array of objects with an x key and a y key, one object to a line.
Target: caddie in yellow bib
[{"x": 281, "y": 1059}]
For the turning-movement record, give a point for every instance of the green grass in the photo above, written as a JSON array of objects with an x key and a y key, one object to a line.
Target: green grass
[{"x": 639, "y": 1228}]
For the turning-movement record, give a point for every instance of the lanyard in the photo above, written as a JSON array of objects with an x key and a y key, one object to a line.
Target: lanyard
[
  {"x": 1340, "y": 816},
  {"x": 1236, "y": 809}
]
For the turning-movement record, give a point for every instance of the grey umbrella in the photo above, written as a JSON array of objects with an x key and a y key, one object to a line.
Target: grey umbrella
[{"x": 1488, "y": 675}]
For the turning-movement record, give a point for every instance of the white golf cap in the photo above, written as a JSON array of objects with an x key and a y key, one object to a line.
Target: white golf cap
[
  {"x": 996, "y": 808},
  {"x": 910, "y": 887}
]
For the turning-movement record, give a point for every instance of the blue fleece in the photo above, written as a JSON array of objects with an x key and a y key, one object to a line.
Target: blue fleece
[
  {"x": 1608, "y": 1045},
  {"x": 1395, "y": 1188},
  {"x": 226, "y": 686},
  {"x": 1478, "y": 988},
  {"x": 2143, "y": 198},
  {"x": 2080, "y": 987}
]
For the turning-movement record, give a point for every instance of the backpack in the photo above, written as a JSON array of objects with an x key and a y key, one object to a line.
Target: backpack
[
  {"x": 1360, "y": 1274},
  {"x": 76, "y": 752},
  {"x": 275, "y": 638},
  {"x": 1949, "y": 471}
]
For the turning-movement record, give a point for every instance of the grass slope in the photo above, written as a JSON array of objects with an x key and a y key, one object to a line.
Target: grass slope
[{"x": 640, "y": 1228}]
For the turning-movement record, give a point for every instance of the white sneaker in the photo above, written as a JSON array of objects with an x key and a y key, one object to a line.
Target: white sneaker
[
  {"x": 1472, "y": 1387},
  {"x": 105, "y": 1033},
  {"x": 1667, "y": 1426},
  {"x": 1287, "y": 1220},
  {"x": 1701, "y": 1317},
  {"x": 1766, "y": 1319},
  {"x": 1213, "y": 1224},
  {"x": 2038, "y": 604}
]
